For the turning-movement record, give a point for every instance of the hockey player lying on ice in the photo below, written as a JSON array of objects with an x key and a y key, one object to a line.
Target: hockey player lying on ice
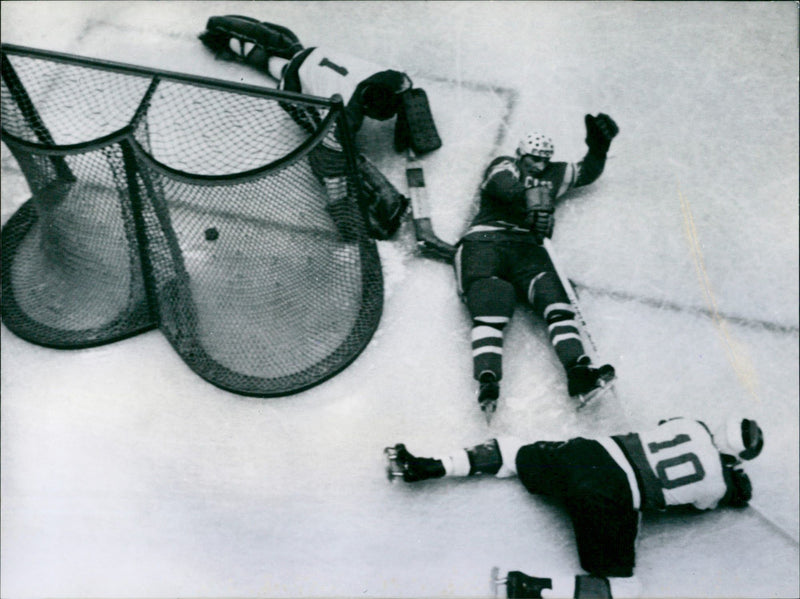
[
  {"x": 604, "y": 484},
  {"x": 367, "y": 89},
  {"x": 501, "y": 258}
]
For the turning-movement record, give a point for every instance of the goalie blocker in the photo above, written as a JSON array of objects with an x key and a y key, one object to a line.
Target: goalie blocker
[{"x": 383, "y": 204}]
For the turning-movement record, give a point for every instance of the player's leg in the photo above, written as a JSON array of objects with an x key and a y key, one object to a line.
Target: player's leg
[
  {"x": 539, "y": 283},
  {"x": 605, "y": 531},
  {"x": 490, "y": 301},
  {"x": 600, "y": 502},
  {"x": 491, "y": 304},
  {"x": 549, "y": 299},
  {"x": 598, "y": 498}
]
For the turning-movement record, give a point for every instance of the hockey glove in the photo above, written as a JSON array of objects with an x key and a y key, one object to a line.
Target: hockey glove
[
  {"x": 234, "y": 37},
  {"x": 739, "y": 489},
  {"x": 539, "y": 203},
  {"x": 379, "y": 95},
  {"x": 542, "y": 224},
  {"x": 600, "y": 130}
]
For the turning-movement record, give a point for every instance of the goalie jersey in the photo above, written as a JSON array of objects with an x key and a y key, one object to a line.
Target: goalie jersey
[
  {"x": 322, "y": 72},
  {"x": 676, "y": 464}
]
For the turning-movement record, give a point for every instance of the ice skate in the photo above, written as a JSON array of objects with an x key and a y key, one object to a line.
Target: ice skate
[
  {"x": 488, "y": 393},
  {"x": 586, "y": 383},
  {"x": 519, "y": 585},
  {"x": 401, "y": 464}
]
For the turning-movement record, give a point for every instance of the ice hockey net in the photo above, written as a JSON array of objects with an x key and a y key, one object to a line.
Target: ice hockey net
[{"x": 188, "y": 204}]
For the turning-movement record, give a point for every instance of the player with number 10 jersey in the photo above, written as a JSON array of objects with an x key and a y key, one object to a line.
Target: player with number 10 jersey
[{"x": 606, "y": 482}]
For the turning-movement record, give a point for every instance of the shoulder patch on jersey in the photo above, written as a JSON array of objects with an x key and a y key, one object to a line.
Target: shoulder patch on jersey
[{"x": 499, "y": 165}]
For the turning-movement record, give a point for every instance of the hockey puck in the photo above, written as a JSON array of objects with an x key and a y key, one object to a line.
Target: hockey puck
[{"x": 212, "y": 234}]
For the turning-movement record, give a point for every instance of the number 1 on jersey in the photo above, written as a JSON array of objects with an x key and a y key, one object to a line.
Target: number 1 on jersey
[{"x": 333, "y": 66}]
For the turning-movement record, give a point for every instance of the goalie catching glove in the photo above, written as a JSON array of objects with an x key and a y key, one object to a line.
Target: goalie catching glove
[
  {"x": 234, "y": 37},
  {"x": 600, "y": 130}
]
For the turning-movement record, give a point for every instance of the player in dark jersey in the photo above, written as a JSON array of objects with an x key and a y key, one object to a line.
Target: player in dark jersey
[
  {"x": 605, "y": 483},
  {"x": 367, "y": 89},
  {"x": 501, "y": 258}
]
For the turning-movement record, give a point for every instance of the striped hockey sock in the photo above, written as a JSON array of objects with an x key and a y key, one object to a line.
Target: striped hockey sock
[
  {"x": 564, "y": 334},
  {"x": 487, "y": 345}
]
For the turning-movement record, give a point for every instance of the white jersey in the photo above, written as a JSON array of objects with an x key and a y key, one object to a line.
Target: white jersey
[
  {"x": 677, "y": 463},
  {"x": 324, "y": 73}
]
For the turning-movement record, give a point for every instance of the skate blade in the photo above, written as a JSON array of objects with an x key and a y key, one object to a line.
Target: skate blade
[
  {"x": 595, "y": 394},
  {"x": 495, "y": 581},
  {"x": 393, "y": 470},
  {"x": 489, "y": 408}
]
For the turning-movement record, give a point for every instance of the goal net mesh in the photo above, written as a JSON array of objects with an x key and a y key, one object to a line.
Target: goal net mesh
[{"x": 188, "y": 204}]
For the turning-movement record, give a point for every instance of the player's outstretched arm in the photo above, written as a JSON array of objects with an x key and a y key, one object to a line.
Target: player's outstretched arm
[{"x": 600, "y": 130}]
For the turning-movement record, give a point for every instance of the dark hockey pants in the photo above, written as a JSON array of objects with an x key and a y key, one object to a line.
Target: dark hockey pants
[
  {"x": 596, "y": 494},
  {"x": 492, "y": 268}
]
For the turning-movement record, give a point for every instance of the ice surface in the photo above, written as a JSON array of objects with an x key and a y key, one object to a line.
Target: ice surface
[{"x": 124, "y": 474}]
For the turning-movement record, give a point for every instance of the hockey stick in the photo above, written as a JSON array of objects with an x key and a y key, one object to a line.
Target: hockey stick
[
  {"x": 573, "y": 297},
  {"x": 428, "y": 242},
  {"x": 583, "y": 329},
  {"x": 773, "y": 524}
]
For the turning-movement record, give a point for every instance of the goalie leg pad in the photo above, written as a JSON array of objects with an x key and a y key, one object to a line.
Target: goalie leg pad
[
  {"x": 415, "y": 127},
  {"x": 383, "y": 204}
]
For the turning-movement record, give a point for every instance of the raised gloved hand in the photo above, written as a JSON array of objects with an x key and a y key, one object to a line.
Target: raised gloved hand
[{"x": 600, "y": 130}]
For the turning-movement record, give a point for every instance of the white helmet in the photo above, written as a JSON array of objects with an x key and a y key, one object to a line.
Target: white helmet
[
  {"x": 739, "y": 437},
  {"x": 535, "y": 144}
]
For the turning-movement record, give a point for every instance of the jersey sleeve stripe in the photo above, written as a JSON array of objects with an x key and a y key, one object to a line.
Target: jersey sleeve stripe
[
  {"x": 616, "y": 453},
  {"x": 569, "y": 180}
]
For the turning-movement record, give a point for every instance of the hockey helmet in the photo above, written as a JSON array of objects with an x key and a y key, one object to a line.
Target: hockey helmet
[
  {"x": 535, "y": 144},
  {"x": 740, "y": 437}
]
